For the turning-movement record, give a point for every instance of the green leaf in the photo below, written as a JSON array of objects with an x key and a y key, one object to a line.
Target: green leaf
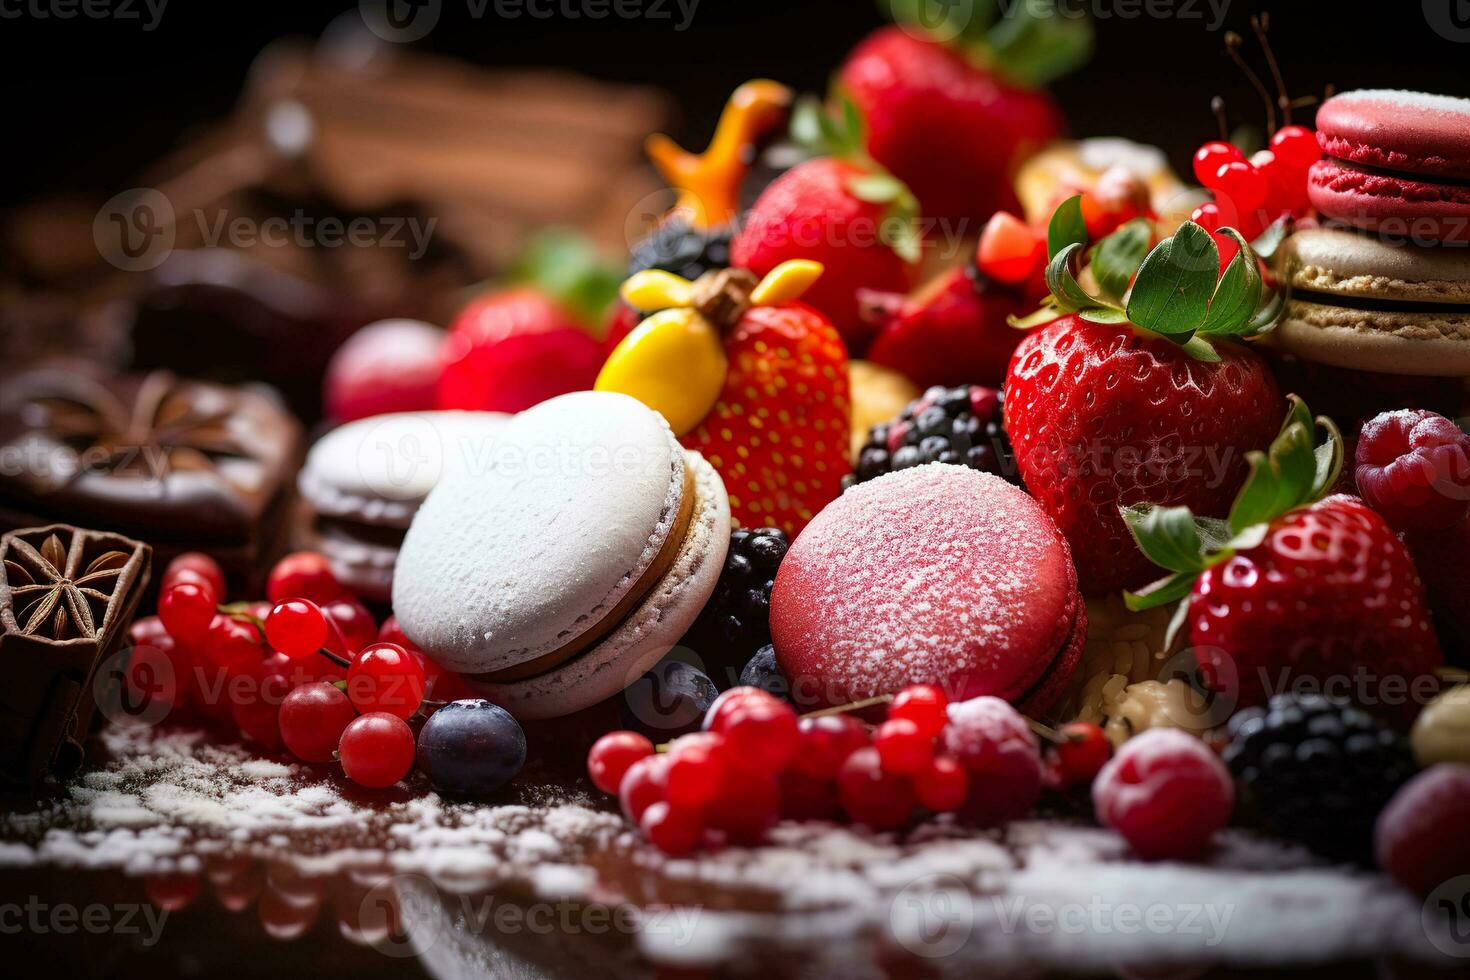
[
  {"x": 1171, "y": 293},
  {"x": 1268, "y": 241},
  {"x": 829, "y": 130},
  {"x": 1291, "y": 473},
  {"x": 1177, "y": 622},
  {"x": 1238, "y": 292},
  {"x": 1329, "y": 457},
  {"x": 1118, "y": 255},
  {"x": 1066, "y": 226},
  {"x": 879, "y": 188},
  {"x": 564, "y": 265},
  {"x": 1271, "y": 312},
  {"x": 1167, "y": 535},
  {"x": 1104, "y": 314},
  {"x": 807, "y": 128},
  {"x": 1166, "y": 590},
  {"x": 1038, "y": 41},
  {"x": 1046, "y": 314},
  {"x": 965, "y": 22},
  {"x": 1200, "y": 349},
  {"x": 1061, "y": 279}
]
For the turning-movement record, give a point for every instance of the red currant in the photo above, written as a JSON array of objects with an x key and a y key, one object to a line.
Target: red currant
[
  {"x": 391, "y": 632},
  {"x": 747, "y": 805},
  {"x": 612, "y": 755},
  {"x": 902, "y": 747},
  {"x": 187, "y": 609},
  {"x": 675, "y": 830},
  {"x": 376, "y": 750},
  {"x": 1082, "y": 755},
  {"x": 194, "y": 563},
  {"x": 1009, "y": 251},
  {"x": 305, "y": 575},
  {"x": 1209, "y": 158},
  {"x": 354, "y": 621},
  {"x": 296, "y": 627},
  {"x": 171, "y": 892},
  {"x": 312, "y": 719},
  {"x": 805, "y": 798},
  {"x": 697, "y": 767},
  {"x": 761, "y": 732},
  {"x": 643, "y": 785},
  {"x": 872, "y": 796},
  {"x": 941, "y": 785},
  {"x": 1166, "y": 793},
  {"x": 1209, "y": 217},
  {"x": 259, "y": 720},
  {"x": 232, "y": 647},
  {"x": 386, "y": 677},
  {"x": 1296, "y": 147},
  {"x": 826, "y": 742},
  {"x": 1243, "y": 184},
  {"x": 923, "y": 704}
]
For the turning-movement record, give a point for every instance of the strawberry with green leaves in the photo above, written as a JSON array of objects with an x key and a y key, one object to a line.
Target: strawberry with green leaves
[
  {"x": 841, "y": 210},
  {"x": 1139, "y": 391},
  {"x": 1294, "y": 586}
]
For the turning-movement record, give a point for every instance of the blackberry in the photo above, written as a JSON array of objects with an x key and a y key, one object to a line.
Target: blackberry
[
  {"x": 1319, "y": 770},
  {"x": 736, "y": 622},
  {"x": 676, "y": 247},
  {"x": 945, "y": 425}
]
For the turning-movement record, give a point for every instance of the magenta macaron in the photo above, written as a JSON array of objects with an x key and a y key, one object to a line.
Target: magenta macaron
[
  {"x": 1397, "y": 163},
  {"x": 937, "y": 574}
]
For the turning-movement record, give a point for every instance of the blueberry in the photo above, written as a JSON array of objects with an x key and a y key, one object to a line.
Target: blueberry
[
  {"x": 766, "y": 550},
  {"x": 907, "y": 456},
  {"x": 668, "y": 701},
  {"x": 762, "y": 672},
  {"x": 471, "y": 748}
]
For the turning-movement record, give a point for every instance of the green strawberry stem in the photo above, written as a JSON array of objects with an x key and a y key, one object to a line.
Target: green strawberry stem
[
  {"x": 1028, "y": 44},
  {"x": 567, "y": 267}
]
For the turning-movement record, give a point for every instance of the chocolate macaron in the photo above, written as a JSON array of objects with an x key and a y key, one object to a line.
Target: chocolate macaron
[
  {"x": 1358, "y": 301},
  {"x": 562, "y": 572},
  {"x": 1397, "y": 163}
]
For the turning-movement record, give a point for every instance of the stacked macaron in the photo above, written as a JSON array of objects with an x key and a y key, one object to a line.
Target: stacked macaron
[
  {"x": 559, "y": 574},
  {"x": 1384, "y": 284},
  {"x": 365, "y": 480}
]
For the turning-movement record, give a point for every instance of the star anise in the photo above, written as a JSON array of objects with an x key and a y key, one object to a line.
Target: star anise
[
  {"x": 52, "y": 595},
  {"x": 162, "y": 422}
]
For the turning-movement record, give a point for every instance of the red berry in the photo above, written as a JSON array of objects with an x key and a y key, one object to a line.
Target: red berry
[
  {"x": 1000, "y": 755},
  {"x": 923, "y": 704},
  {"x": 187, "y": 609},
  {"x": 612, "y": 755},
  {"x": 391, "y": 632},
  {"x": 1413, "y": 467},
  {"x": 1243, "y": 184},
  {"x": 1420, "y": 837},
  {"x": 305, "y": 575},
  {"x": 697, "y": 767},
  {"x": 1009, "y": 251},
  {"x": 806, "y": 798},
  {"x": 902, "y": 747},
  {"x": 259, "y": 719},
  {"x": 232, "y": 647},
  {"x": 296, "y": 627},
  {"x": 1209, "y": 158},
  {"x": 171, "y": 892},
  {"x": 675, "y": 830},
  {"x": 196, "y": 563},
  {"x": 747, "y": 805},
  {"x": 352, "y": 618},
  {"x": 386, "y": 677},
  {"x": 1209, "y": 217},
  {"x": 726, "y": 702},
  {"x": 312, "y": 719},
  {"x": 1227, "y": 247},
  {"x": 942, "y": 785},
  {"x": 826, "y": 742},
  {"x": 376, "y": 750},
  {"x": 761, "y": 731},
  {"x": 1166, "y": 793},
  {"x": 1296, "y": 147},
  {"x": 1082, "y": 755},
  {"x": 871, "y": 795},
  {"x": 643, "y": 785}
]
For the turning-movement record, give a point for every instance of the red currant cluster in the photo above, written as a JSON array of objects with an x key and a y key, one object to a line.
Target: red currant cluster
[
  {"x": 308, "y": 668},
  {"x": 755, "y": 761},
  {"x": 1251, "y": 194}
]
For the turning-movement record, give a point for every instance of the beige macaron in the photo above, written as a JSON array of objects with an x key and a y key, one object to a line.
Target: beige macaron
[{"x": 1360, "y": 302}]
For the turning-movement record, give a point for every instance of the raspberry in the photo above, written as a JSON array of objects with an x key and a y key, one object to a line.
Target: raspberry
[
  {"x": 826, "y": 742},
  {"x": 1420, "y": 837},
  {"x": 1413, "y": 467},
  {"x": 998, "y": 750},
  {"x": 1166, "y": 793},
  {"x": 871, "y": 796},
  {"x": 902, "y": 746},
  {"x": 612, "y": 755}
]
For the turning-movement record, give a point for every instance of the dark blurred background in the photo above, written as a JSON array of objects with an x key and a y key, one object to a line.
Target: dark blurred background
[{"x": 90, "y": 102}]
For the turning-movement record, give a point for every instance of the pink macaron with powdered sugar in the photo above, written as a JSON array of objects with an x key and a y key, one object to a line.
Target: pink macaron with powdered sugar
[
  {"x": 1397, "y": 163},
  {"x": 937, "y": 574}
]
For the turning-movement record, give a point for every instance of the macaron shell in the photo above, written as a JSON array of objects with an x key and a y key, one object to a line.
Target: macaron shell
[
  {"x": 1348, "y": 263},
  {"x": 649, "y": 632},
  {"x": 1398, "y": 341},
  {"x": 1047, "y": 691},
  {"x": 504, "y": 567},
  {"x": 1416, "y": 210},
  {"x": 936, "y": 574},
  {"x": 1413, "y": 132}
]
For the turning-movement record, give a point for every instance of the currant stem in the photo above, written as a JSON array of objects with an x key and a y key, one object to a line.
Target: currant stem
[
  {"x": 339, "y": 661},
  {"x": 1261, "y": 24},
  {"x": 1232, "y": 48}
]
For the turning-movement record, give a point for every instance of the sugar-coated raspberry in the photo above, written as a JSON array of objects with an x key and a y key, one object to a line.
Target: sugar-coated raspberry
[
  {"x": 826, "y": 742},
  {"x": 942, "y": 785},
  {"x": 923, "y": 704},
  {"x": 1082, "y": 754},
  {"x": 1166, "y": 793},
  {"x": 747, "y": 805},
  {"x": 611, "y": 756},
  {"x": 644, "y": 784},
  {"x": 902, "y": 747},
  {"x": 675, "y": 830},
  {"x": 1000, "y": 755},
  {"x": 1413, "y": 467},
  {"x": 806, "y": 798},
  {"x": 871, "y": 796},
  {"x": 697, "y": 768},
  {"x": 1420, "y": 839}
]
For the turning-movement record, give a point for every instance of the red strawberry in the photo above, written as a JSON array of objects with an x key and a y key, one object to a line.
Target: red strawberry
[
  {"x": 853, "y": 220},
  {"x": 950, "y": 128},
  {"x": 952, "y": 331},
  {"x": 1293, "y": 588}
]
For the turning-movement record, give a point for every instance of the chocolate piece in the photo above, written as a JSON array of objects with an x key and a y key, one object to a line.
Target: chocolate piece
[
  {"x": 182, "y": 464},
  {"x": 67, "y": 596}
]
